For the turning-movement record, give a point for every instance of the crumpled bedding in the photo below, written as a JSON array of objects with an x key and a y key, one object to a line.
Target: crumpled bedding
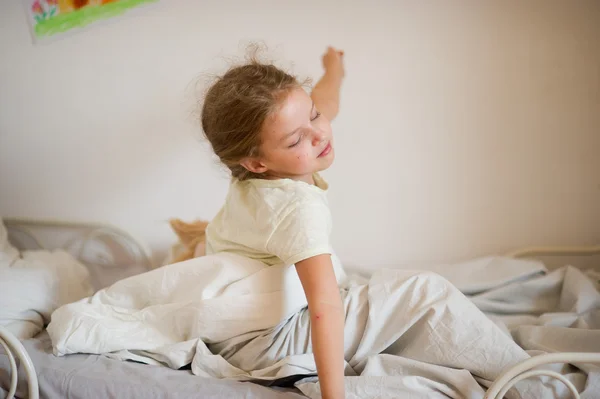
[{"x": 408, "y": 333}]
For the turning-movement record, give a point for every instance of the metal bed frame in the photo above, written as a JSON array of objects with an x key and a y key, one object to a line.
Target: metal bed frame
[{"x": 83, "y": 243}]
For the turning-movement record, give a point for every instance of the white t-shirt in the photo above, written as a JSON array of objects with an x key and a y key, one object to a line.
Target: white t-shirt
[{"x": 279, "y": 222}]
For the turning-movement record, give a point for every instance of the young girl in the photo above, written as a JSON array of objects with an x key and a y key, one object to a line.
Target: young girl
[{"x": 275, "y": 138}]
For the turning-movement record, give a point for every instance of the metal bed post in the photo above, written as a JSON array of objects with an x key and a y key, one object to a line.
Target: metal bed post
[
  {"x": 11, "y": 344},
  {"x": 523, "y": 370}
]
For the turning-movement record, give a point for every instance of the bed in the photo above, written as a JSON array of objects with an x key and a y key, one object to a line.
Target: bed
[{"x": 29, "y": 369}]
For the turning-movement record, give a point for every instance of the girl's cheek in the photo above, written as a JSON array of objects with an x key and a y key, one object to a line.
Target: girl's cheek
[{"x": 302, "y": 154}]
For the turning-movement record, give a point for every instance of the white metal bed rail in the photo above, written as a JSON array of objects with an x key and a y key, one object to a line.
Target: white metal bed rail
[
  {"x": 13, "y": 346},
  {"x": 524, "y": 370}
]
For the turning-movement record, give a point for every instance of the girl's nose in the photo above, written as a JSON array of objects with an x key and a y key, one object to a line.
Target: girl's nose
[{"x": 318, "y": 137}]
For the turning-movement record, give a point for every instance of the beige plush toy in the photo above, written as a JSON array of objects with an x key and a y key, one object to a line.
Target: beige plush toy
[{"x": 192, "y": 239}]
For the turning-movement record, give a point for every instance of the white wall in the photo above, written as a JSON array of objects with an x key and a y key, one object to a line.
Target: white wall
[{"x": 466, "y": 129}]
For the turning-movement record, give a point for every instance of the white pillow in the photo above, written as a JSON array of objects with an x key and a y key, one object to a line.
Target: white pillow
[{"x": 33, "y": 286}]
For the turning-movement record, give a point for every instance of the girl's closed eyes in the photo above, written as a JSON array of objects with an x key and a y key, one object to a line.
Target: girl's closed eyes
[{"x": 297, "y": 142}]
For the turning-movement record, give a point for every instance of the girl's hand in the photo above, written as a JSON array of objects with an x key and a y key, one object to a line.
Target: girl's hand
[
  {"x": 333, "y": 61},
  {"x": 326, "y": 93}
]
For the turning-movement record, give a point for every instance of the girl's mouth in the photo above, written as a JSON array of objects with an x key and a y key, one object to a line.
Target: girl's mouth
[{"x": 326, "y": 151}]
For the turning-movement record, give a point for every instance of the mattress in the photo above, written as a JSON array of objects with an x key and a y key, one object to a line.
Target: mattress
[{"x": 92, "y": 376}]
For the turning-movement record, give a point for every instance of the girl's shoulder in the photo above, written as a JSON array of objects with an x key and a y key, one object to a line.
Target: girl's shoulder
[
  {"x": 283, "y": 184},
  {"x": 282, "y": 188},
  {"x": 279, "y": 196}
]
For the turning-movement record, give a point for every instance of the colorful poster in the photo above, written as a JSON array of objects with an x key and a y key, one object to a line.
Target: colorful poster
[{"x": 53, "y": 17}]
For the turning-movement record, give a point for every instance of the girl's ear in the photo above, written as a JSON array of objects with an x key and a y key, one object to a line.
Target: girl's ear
[{"x": 253, "y": 165}]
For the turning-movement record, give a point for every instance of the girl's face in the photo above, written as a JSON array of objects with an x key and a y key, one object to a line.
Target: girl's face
[{"x": 296, "y": 141}]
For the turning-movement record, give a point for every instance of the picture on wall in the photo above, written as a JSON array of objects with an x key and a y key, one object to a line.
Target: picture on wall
[{"x": 50, "y": 18}]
